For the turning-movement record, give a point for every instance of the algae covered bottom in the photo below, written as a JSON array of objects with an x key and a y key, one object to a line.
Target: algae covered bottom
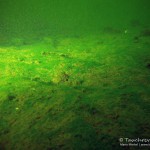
[{"x": 75, "y": 93}]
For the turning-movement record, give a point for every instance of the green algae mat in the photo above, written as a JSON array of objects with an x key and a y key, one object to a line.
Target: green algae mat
[{"x": 75, "y": 93}]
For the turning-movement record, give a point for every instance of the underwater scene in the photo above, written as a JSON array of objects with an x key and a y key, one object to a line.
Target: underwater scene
[{"x": 74, "y": 74}]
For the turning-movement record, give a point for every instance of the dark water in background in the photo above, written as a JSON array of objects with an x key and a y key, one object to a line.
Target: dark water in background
[{"x": 39, "y": 18}]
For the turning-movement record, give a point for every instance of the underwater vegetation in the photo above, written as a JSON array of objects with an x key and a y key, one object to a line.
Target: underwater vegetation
[{"x": 75, "y": 93}]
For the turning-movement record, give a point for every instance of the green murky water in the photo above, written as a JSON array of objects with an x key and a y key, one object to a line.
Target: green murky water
[
  {"x": 74, "y": 74},
  {"x": 36, "y": 19}
]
